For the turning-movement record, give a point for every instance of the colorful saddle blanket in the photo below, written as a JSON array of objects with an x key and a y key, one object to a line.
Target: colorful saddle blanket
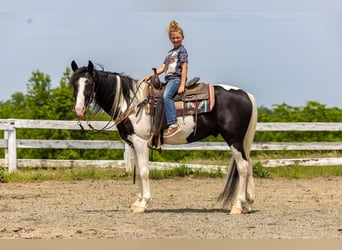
[{"x": 199, "y": 98}]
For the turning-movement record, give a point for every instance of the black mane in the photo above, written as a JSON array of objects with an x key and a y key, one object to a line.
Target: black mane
[
  {"x": 105, "y": 87},
  {"x": 106, "y": 82}
]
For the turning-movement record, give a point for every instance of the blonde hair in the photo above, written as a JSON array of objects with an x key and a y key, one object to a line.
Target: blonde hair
[{"x": 174, "y": 27}]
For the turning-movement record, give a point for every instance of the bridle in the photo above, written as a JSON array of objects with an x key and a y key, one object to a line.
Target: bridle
[
  {"x": 91, "y": 100},
  {"x": 120, "y": 117}
]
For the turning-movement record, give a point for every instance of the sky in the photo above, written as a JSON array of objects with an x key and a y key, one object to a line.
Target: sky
[{"x": 280, "y": 51}]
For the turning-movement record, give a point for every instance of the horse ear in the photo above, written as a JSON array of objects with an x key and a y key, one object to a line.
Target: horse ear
[
  {"x": 90, "y": 67},
  {"x": 74, "y": 66}
]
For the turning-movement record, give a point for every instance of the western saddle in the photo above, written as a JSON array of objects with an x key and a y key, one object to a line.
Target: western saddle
[{"x": 197, "y": 98}]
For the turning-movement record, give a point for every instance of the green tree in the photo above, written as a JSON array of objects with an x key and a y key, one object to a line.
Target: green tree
[
  {"x": 311, "y": 112},
  {"x": 15, "y": 107},
  {"x": 61, "y": 100},
  {"x": 39, "y": 96}
]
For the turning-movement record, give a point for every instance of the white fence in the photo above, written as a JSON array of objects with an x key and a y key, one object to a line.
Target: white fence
[{"x": 11, "y": 143}]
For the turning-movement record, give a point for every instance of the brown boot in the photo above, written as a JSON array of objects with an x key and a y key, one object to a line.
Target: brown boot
[{"x": 172, "y": 130}]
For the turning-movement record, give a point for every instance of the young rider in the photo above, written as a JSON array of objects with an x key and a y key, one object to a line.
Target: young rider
[{"x": 175, "y": 67}]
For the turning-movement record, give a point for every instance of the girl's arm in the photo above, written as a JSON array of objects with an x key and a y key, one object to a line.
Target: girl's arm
[
  {"x": 160, "y": 70},
  {"x": 183, "y": 77}
]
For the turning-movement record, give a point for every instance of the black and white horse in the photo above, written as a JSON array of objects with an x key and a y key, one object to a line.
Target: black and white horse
[{"x": 234, "y": 116}]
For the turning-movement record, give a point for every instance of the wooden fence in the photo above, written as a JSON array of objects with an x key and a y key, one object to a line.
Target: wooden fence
[{"x": 11, "y": 143}]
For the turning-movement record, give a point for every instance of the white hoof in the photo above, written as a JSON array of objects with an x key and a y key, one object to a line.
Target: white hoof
[
  {"x": 247, "y": 207},
  {"x": 137, "y": 209},
  {"x": 235, "y": 210},
  {"x": 246, "y": 210}
]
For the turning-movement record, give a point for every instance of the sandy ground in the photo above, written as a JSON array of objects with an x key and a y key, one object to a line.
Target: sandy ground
[{"x": 182, "y": 208}]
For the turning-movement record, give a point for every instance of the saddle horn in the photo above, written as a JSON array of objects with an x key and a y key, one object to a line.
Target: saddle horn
[{"x": 155, "y": 80}]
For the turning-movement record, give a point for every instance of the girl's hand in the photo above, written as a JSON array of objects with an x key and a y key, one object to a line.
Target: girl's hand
[
  {"x": 181, "y": 89},
  {"x": 148, "y": 77}
]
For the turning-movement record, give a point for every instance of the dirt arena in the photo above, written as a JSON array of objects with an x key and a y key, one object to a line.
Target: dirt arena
[{"x": 182, "y": 208}]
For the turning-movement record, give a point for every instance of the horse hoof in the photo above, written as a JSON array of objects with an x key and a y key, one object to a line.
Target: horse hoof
[
  {"x": 246, "y": 210},
  {"x": 235, "y": 210},
  {"x": 250, "y": 200},
  {"x": 137, "y": 209}
]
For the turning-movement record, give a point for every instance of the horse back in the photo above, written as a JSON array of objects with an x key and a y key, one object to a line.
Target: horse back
[
  {"x": 229, "y": 117},
  {"x": 198, "y": 98}
]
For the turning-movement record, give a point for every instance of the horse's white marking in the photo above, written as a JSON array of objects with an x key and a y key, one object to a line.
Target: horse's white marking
[
  {"x": 227, "y": 87},
  {"x": 142, "y": 164},
  {"x": 80, "y": 98},
  {"x": 250, "y": 187},
  {"x": 118, "y": 102},
  {"x": 142, "y": 124},
  {"x": 248, "y": 141},
  {"x": 242, "y": 166},
  {"x": 187, "y": 126}
]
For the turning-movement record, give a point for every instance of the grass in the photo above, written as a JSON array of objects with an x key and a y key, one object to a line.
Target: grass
[
  {"x": 183, "y": 171},
  {"x": 69, "y": 174},
  {"x": 301, "y": 172},
  {"x": 62, "y": 174},
  {"x": 260, "y": 171},
  {"x": 93, "y": 173},
  {"x": 2, "y": 174}
]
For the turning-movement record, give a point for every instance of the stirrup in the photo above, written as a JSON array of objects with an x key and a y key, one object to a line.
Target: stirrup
[{"x": 151, "y": 144}]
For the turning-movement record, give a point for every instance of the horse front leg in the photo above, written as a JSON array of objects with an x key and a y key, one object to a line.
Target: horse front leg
[{"x": 142, "y": 167}]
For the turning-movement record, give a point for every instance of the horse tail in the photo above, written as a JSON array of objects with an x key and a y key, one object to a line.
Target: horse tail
[
  {"x": 129, "y": 157},
  {"x": 230, "y": 186},
  {"x": 249, "y": 136}
]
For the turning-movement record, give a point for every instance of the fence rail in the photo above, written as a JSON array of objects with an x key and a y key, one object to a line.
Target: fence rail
[{"x": 11, "y": 143}]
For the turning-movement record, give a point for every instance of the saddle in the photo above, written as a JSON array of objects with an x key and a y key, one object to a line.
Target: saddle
[{"x": 197, "y": 98}]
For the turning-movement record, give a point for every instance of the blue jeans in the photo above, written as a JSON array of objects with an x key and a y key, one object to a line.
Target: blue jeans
[{"x": 169, "y": 105}]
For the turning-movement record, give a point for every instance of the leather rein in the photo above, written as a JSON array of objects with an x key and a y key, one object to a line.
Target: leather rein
[{"x": 121, "y": 116}]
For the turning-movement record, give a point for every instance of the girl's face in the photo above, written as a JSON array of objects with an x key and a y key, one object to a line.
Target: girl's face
[{"x": 176, "y": 39}]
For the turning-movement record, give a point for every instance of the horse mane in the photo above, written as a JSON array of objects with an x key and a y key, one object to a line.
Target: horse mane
[
  {"x": 114, "y": 86},
  {"x": 109, "y": 86}
]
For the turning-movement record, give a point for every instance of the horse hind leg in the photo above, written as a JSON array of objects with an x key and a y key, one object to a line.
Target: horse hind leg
[
  {"x": 240, "y": 203},
  {"x": 247, "y": 208}
]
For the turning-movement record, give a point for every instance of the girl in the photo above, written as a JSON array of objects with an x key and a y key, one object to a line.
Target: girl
[{"x": 175, "y": 67}]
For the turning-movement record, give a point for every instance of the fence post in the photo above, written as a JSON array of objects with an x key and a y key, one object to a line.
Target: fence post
[
  {"x": 128, "y": 157},
  {"x": 6, "y": 147},
  {"x": 12, "y": 148}
]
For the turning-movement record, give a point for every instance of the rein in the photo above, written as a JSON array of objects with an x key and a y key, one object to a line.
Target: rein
[
  {"x": 120, "y": 118},
  {"x": 93, "y": 128},
  {"x": 130, "y": 109}
]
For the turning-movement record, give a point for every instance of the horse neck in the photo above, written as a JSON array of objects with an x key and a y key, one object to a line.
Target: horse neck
[{"x": 114, "y": 92}]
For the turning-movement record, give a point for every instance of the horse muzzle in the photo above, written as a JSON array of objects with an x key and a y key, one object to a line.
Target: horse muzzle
[{"x": 79, "y": 111}]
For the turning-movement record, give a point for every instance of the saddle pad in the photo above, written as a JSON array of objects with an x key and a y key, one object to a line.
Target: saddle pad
[{"x": 201, "y": 102}]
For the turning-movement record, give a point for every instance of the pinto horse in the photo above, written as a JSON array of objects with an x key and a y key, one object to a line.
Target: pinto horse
[{"x": 234, "y": 116}]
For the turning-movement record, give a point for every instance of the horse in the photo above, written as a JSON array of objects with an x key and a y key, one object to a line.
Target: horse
[{"x": 234, "y": 117}]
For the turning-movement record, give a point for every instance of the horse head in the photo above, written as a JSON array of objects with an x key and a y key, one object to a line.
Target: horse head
[{"x": 83, "y": 81}]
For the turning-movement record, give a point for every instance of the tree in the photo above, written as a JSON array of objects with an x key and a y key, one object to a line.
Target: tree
[
  {"x": 61, "y": 100},
  {"x": 38, "y": 98}
]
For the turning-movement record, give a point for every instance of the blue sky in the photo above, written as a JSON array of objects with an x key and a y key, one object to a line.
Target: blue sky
[{"x": 280, "y": 51}]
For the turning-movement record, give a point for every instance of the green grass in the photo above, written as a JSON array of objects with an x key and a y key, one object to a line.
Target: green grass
[
  {"x": 183, "y": 171},
  {"x": 302, "y": 172},
  {"x": 260, "y": 171},
  {"x": 2, "y": 174},
  {"x": 69, "y": 174},
  {"x": 62, "y": 174}
]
